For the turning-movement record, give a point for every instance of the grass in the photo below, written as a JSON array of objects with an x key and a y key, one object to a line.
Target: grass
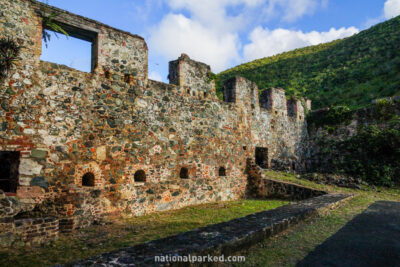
[
  {"x": 293, "y": 245},
  {"x": 285, "y": 249},
  {"x": 125, "y": 232}
]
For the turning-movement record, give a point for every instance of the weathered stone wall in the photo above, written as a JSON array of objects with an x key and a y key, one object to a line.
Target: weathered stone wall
[
  {"x": 287, "y": 132},
  {"x": 193, "y": 76},
  {"x": 30, "y": 231},
  {"x": 261, "y": 186},
  {"x": 324, "y": 136},
  {"x": 278, "y": 189},
  {"x": 112, "y": 122}
]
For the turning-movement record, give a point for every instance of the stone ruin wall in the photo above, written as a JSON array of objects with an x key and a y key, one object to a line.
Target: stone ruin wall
[
  {"x": 315, "y": 157},
  {"x": 113, "y": 122}
]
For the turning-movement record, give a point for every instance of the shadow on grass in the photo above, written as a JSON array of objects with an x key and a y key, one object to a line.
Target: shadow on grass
[{"x": 125, "y": 232}]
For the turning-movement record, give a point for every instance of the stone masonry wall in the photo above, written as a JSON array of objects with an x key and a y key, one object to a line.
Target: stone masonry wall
[
  {"x": 36, "y": 231},
  {"x": 82, "y": 137},
  {"x": 316, "y": 157},
  {"x": 261, "y": 186},
  {"x": 192, "y": 75}
]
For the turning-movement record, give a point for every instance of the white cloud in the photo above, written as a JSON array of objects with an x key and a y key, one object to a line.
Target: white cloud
[
  {"x": 208, "y": 30},
  {"x": 291, "y": 10},
  {"x": 371, "y": 22},
  {"x": 392, "y": 8},
  {"x": 265, "y": 43},
  {"x": 208, "y": 33},
  {"x": 213, "y": 13},
  {"x": 177, "y": 34},
  {"x": 155, "y": 76}
]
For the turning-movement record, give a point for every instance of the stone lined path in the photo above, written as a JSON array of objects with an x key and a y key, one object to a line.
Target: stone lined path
[
  {"x": 219, "y": 239},
  {"x": 370, "y": 239}
]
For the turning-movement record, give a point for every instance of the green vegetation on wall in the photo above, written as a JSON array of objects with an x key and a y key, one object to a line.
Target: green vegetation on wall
[
  {"x": 49, "y": 23},
  {"x": 9, "y": 52},
  {"x": 333, "y": 116},
  {"x": 384, "y": 109},
  {"x": 351, "y": 72},
  {"x": 372, "y": 153}
]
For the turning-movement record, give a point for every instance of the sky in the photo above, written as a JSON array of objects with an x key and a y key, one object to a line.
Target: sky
[{"x": 221, "y": 33}]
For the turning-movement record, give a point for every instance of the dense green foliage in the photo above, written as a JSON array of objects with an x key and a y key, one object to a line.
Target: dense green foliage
[
  {"x": 351, "y": 72},
  {"x": 384, "y": 110},
  {"x": 372, "y": 154},
  {"x": 333, "y": 116}
]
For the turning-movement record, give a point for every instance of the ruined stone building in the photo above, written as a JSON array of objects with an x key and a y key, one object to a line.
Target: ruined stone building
[{"x": 75, "y": 146}]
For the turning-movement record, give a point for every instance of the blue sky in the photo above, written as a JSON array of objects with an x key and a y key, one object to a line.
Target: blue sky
[{"x": 221, "y": 33}]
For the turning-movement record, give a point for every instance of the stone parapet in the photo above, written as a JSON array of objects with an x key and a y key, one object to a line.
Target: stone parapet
[
  {"x": 30, "y": 231},
  {"x": 260, "y": 186}
]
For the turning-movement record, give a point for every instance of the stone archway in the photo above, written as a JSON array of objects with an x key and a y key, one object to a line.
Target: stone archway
[{"x": 84, "y": 172}]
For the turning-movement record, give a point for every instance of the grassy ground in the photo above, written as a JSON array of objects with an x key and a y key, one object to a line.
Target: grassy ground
[
  {"x": 127, "y": 232},
  {"x": 293, "y": 245},
  {"x": 285, "y": 249}
]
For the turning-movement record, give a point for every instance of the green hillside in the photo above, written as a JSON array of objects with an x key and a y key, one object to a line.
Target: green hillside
[{"x": 351, "y": 71}]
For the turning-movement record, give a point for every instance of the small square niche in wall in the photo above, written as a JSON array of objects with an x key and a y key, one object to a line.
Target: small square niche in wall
[{"x": 67, "y": 50}]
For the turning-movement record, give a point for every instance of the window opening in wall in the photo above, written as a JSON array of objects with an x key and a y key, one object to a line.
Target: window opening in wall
[
  {"x": 127, "y": 78},
  {"x": 222, "y": 171},
  {"x": 107, "y": 74},
  {"x": 244, "y": 147},
  {"x": 229, "y": 93},
  {"x": 230, "y": 96},
  {"x": 9, "y": 165},
  {"x": 88, "y": 179},
  {"x": 140, "y": 176},
  {"x": 262, "y": 157},
  {"x": 78, "y": 50},
  {"x": 184, "y": 173}
]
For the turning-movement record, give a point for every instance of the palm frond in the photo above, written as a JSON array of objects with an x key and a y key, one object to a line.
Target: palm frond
[
  {"x": 49, "y": 23},
  {"x": 9, "y": 52}
]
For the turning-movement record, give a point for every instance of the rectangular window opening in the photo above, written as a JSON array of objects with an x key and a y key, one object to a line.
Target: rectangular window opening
[
  {"x": 229, "y": 91},
  {"x": 9, "y": 165},
  {"x": 78, "y": 50},
  {"x": 230, "y": 95},
  {"x": 262, "y": 157}
]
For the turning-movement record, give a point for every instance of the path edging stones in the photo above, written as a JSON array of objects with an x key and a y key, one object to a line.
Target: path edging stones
[{"x": 219, "y": 239}]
